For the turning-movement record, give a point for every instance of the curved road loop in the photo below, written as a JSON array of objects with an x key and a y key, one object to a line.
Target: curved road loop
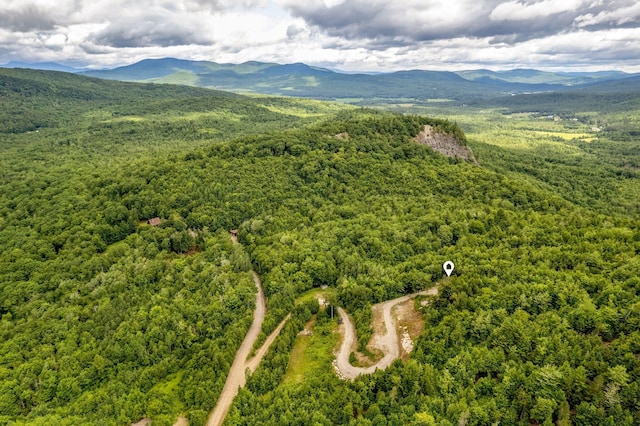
[
  {"x": 388, "y": 343},
  {"x": 237, "y": 374}
]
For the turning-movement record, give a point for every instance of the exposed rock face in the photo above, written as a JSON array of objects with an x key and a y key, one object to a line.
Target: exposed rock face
[{"x": 444, "y": 143}]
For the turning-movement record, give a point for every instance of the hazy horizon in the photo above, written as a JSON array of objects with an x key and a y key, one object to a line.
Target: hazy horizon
[
  {"x": 36, "y": 65},
  {"x": 345, "y": 35}
]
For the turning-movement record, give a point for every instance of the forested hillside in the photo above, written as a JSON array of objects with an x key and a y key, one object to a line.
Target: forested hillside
[
  {"x": 107, "y": 319},
  {"x": 538, "y": 324}
]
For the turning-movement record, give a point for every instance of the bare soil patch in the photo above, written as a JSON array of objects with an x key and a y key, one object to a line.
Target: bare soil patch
[
  {"x": 182, "y": 421},
  {"x": 388, "y": 336},
  {"x": 410, "y": 325}
]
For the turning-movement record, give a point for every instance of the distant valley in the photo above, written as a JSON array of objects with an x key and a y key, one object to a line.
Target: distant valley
[{"x": 301, "y": 80}]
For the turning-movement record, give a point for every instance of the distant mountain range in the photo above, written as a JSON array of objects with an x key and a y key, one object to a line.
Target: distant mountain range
[
  {"x": 45, "y": 66},
  {"x": 302, "y": 80},
  {"x": 535, "y": 77}
]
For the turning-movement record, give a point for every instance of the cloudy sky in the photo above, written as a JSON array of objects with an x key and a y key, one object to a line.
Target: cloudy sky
[{"x": 352, "y": 35}]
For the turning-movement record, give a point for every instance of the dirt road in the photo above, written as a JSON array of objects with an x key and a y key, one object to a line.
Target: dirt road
[
  {"x": 237, "y": 376},
  {"x": 254, "y": 362},
  {"x": 388, "y": 343}
]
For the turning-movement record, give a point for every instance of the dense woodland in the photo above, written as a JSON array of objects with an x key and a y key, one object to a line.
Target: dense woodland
[{"x": 106, "y": 319}]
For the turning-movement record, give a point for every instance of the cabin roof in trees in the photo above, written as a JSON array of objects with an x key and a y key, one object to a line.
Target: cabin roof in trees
[
  {"x": 234, "y": 232},
  {"x": 155, "y": 221}
]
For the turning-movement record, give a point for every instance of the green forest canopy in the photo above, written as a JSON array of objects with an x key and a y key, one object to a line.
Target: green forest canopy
[{"x": 106, "y": 320}]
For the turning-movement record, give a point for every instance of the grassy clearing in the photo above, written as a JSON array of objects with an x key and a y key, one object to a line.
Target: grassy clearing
[
  {"x": 312, "y": 356},
  {"x": 567, "y": 136},
  {"x": 316, "y": 293},
  {"x": 296, "y": 367},
  {"x": 167, "y": 392},
  {"x": 439, "y": 100}
]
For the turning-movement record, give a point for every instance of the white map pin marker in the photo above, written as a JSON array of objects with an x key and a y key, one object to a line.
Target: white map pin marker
[{"x": 448, "y": 267}]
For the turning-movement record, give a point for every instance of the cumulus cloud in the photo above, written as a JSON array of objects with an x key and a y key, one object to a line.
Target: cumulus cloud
[
  {"x": 627, "y": 15},
  {"x": 522, "y": 11},
  {"x": 35, "y": 15},
  {"x": 427, "y": 20},
  {"x": 363, "y": 19},
  {"x": 295, "y": 30},
  {"x": 220, "y": 5},
  {"x": 27, "y": 18},
  {"x": 161, "y": 30},
  {"x": 351, "y": 34}
]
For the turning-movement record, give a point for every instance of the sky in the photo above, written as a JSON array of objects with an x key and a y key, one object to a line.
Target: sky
[{"x": 348, "y": 35}]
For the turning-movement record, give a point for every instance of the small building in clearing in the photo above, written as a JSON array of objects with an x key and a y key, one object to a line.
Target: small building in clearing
[{"x": 154, "y": 221}]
